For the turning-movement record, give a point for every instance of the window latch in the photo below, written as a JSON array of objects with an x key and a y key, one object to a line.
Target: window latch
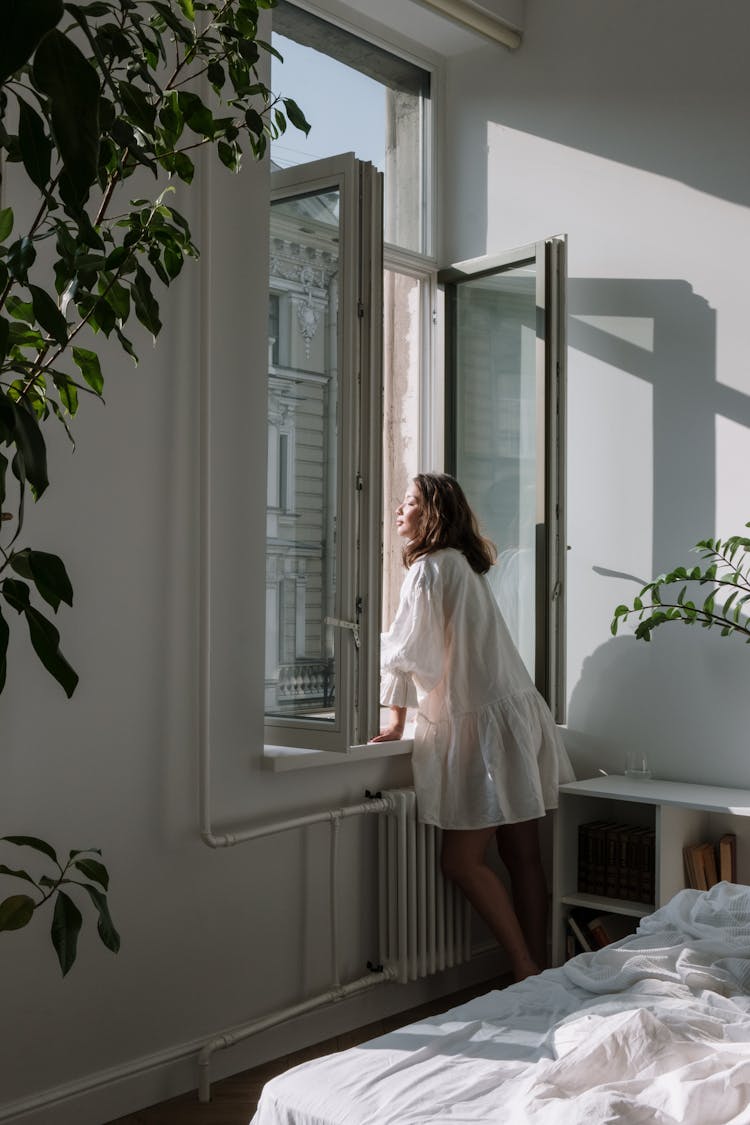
[{"x": 339, "y": 624}]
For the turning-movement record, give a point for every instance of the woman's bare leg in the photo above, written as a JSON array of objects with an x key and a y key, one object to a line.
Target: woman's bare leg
[
  {"x": 518, "y": 845},
  {"x": 463, "y": 862}
]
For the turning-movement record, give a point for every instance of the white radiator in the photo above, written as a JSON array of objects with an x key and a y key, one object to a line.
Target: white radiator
[{"x": 425, "y": 921}]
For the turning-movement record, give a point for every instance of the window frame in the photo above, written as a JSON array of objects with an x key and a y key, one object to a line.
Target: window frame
[
  {"x": 364, "y": 513},
  {"x": 550, "y": 256},
  {"x": 356, "y": 616}
]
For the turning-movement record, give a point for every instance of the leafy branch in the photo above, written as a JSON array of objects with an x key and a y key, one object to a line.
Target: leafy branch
[
  {"x": 123, "y": 85},
  {"x": 84, "y": 105},
  {"x": 727, "y": 574},
  {"x": 81, "y": 870}
]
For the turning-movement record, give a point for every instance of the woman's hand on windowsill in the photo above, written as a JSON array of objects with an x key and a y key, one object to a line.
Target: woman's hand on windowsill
[
  {"x": 390, "y": 734},
  {"x": 394, "y": 732}
]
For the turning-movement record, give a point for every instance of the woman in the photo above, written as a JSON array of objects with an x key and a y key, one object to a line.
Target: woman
[{"x": 488, "y": 757}]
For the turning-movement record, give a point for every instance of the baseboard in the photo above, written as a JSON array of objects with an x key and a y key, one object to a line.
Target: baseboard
[{"x": 108, "y": 1094}]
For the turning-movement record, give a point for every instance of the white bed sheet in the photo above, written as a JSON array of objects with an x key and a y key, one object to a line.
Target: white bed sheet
[{"x": 654, "y": 1029}]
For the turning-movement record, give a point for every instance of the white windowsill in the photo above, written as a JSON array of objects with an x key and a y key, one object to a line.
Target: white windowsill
[{"x": 280, "y": 759}]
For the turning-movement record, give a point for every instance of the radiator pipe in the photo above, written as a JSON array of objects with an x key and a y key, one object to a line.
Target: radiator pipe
[
  {"x": 333, "y": 898},
  {"x": 238, "y": 1034}
]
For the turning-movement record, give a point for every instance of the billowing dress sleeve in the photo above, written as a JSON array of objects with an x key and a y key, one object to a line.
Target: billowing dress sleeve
[{"x": 411, "y": 652}]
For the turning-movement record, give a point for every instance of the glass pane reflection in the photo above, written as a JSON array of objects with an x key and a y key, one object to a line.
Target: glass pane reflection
[
  {"x": 300, "y": 678},
  {"x": 496, "y": 433}
]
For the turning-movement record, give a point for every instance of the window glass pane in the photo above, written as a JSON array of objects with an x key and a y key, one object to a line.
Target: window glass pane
[
  {"x": 402, "y": 361},
  {"x": 358, "y": 98},
  {"x": 496, "y": 433},
  {"x": 302, "y": 457}
]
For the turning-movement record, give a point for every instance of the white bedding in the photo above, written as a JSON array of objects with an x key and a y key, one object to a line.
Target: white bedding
[{"x": 652, "y": 1030}]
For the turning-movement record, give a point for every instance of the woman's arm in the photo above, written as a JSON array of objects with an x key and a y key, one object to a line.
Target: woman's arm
[{"x": 395, "y": 729}]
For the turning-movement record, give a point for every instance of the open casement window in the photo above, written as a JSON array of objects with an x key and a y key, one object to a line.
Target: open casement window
[
  {"x": 324, "y": 454},
  {"x": 505, "y": 383}
]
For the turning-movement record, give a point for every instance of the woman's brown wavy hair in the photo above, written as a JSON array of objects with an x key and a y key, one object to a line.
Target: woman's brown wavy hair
[{"x": 446, "y": 520}]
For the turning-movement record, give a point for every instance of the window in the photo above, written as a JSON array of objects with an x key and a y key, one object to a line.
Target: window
[
  {"x": 505, "y": 419},
  {"x": 333, "y": 311},
  {"x": 359, "y": 98}
]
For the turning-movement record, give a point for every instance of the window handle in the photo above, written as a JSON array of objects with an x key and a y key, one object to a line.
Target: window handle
[{"x": 339, "y": 624}]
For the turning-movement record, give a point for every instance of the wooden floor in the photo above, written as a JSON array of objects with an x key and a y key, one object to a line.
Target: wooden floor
[{"x": 234, "y": 1100}]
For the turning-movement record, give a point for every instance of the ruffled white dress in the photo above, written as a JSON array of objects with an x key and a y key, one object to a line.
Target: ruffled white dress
[{"x": 486, "y": 748}]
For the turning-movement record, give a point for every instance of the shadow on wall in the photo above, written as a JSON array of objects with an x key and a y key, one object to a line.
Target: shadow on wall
[
  {"x": 683, "y": 681},
  {"x": 678, "y": 698},
  {"x": 664, "y": 333}
]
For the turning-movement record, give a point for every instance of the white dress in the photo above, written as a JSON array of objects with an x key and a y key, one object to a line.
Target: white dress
[{"x": 486, "y": 748}]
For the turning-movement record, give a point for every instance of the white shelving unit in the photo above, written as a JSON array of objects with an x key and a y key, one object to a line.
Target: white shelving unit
[{"x": 679, "y": 812}]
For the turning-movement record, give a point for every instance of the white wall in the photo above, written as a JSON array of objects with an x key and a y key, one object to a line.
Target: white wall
[
  {"x": 630, "y": 139},
  {"x": 624, "y": 126}
]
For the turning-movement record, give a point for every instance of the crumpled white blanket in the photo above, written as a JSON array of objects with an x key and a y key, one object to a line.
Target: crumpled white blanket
[{"x": 653, "y": 1029}]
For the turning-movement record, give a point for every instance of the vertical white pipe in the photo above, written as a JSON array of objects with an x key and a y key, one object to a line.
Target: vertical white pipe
[
  {"x": 333, "y": 898},
  {"x": 411, "y": 840},
  {"x": 432, "y": 879},
  {"x": 440, "y": 910},
  {"x": 422, "y": 890},
  {"x": 382, "y": 890},
  {"x": 450, "y": 906},
  {"x": 403, "y": 900},
  {"x": 467, "y": 930},
  {"x": 392, "y": 889}
]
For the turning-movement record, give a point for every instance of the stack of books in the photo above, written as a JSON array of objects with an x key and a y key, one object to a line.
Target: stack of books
[
  {"x": 706, "y": 864},
  {"x": 616, "y": 860},
  {"x": 589, "y": 930}
]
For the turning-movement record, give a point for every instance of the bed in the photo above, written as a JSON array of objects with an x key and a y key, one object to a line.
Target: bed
[{"x": 652, "y": 1029}]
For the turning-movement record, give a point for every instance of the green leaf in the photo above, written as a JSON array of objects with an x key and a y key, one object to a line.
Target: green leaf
[
  {"x": 93, "y": 870},
  {"x": 20, "y": 258},
  {"x": 4, "y": 637},
  {"x": 254, "y": 121},
  {"x": 621, "y": 610},
  {"x": 227, "y": 155},
  {"x": 270, "y": 49},
  {"x": 4, "y": 332},
  {"x": 197, "y": 115},
  {"x": 70, "y": 82},
  {"x": 20, "y": 310},
  {"x": 48, "y": 573},
  {"x": 105, "y": 927},
  {"x": 188, "y": 9},
  {"x": 17, "y": 873},
  {"x": 48, "y": 315},
  {"x": 31, "y": 447},
  {"x": 296, "y": 116},
  {"x": 35, "y": 145},
  {"x": 67, "y": 390},
  {"x": 66, "y": 926},
  {"x": 35, "y": 843},
  {"x": 216, "y": 75},
  {"x": 137, "y": 106},
  {"x": 172, "y": 21},
  {"x": 119, "y": 299},
  {"x": 16, "y": 912},
  {"x": 24, "y": 22},
  {"x": 88, "y": 364},
  {"x": 146, "y": 307},
  {"x": 45, "y": 640}
]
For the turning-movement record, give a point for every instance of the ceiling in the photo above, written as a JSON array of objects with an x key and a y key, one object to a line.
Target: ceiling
[{"x": 408, "y": 19}]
